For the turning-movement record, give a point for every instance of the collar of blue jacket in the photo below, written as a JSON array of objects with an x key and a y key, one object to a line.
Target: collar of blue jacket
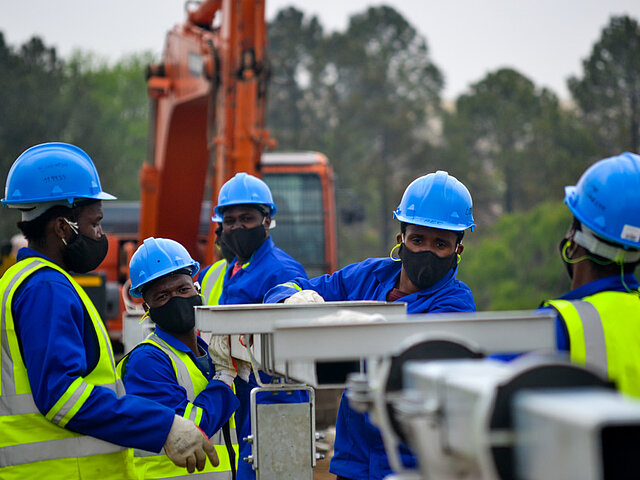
[{"x": 609, "y": 284}]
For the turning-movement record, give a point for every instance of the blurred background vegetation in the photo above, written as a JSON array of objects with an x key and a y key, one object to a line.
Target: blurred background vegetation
[{"x": 369, "y": 97}]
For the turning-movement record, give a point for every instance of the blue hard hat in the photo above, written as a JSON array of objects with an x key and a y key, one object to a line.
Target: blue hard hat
[
  {"x": 607, "y": 199},
  {"x": 244, "y": 189},
  {"x": 155, "y": 258},
  {"x": 52, "y": 172},
  {"x": 437, "y": 200}
]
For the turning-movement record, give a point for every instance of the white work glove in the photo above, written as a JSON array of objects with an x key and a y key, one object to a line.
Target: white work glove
[
  {"x": 305, "y": 296},
  {"x": 244, "y": 369},
  {"x": 187, "y": 446},
  {"x": 220, "y": 353}
]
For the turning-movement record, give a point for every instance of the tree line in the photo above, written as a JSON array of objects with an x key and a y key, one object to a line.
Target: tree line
[{"x": 370, "y": 98}]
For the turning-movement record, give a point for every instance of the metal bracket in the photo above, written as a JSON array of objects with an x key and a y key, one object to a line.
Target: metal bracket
[{"x": 283, "y": 436}]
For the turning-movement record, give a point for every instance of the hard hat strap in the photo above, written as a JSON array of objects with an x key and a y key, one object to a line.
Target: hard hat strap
[{"x": 589, "y": 241}]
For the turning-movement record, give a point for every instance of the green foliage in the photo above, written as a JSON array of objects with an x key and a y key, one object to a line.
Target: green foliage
[
  {"x": 32, "y": 109},
  {"x": 99, "y": 107},
  {"x": 515, "y": 264},
  {"x": 512, "y": 144},
  {"x": 363, "y": 97},
  {"x": 608, "y": 94},
  {"x": 110, "y": 116}
]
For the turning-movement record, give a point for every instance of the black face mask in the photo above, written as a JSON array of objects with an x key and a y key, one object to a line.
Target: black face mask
[
  {"x": 245, "y": 241},
  {"x": 177, "y": 315},
  {"x": 225, "y": 250},
  {"x": 425, "y": 269},
  {"x": 84, "y": 254}
]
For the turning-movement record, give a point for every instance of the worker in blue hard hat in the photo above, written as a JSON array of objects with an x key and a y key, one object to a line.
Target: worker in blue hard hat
[
  {"x": 63, "y": 408},
  {"x": 598, "y": 321},
  {"x": 435, "y": 211},
  {"x": 245, "y": 211},
  {"x": 173, "y": 365}
]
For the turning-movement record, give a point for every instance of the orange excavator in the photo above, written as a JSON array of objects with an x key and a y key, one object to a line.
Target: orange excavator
[{"x": 208, "y": 98}]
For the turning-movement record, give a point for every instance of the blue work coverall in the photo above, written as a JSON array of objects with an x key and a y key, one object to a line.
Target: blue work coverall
[
  {"x": 358, "y": 450},
  {"x": 58, "y": 344},
  {"x": 149, "y": 373},
  {"x": 267, "y": 267}
]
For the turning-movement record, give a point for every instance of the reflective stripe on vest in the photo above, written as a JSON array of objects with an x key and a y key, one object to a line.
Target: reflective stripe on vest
[
  {"x": 28, "y": 436},
  {"x": 213, "y": 282},
  {"x": 583, "y": 322},
  {"x": 604, "y": 332},
  {"x": 157, "y": 465}
]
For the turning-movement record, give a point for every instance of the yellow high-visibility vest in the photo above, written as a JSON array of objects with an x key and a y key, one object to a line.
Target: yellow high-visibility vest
[
  {"x": 33, "y": 445},
  {"x": 157, "y": 465},
  {"x": 604, "y": 332},
  {"x": 213, "y": 282}
]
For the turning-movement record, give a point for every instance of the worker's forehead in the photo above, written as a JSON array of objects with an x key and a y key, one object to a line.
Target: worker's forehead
[
  {"x": 168, "y": 282},
  {"x": 91, "y": 210},
  {"x": 430, "y": 231},
  {"x": 238, "y": 210}
]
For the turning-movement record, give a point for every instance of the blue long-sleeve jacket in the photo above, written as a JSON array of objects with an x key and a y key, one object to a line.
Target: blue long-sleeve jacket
[
  {"x": 358, "y": 448},
  {"x": 267, "y": 267},
  {"x": 58, "y": 345},
  {"x": 149, "y": 373},
  {"x": 373, "y": 279}
]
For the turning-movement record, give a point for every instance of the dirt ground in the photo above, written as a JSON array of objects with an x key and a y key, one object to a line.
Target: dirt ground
[
  {"x": 327, "y": 402},
  {"x": 321, "y": 472}
]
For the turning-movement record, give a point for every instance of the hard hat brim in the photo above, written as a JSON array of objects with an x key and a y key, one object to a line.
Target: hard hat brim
[
  {"x": 426, "y": 222},
  {"x": 69, "y": 198}
]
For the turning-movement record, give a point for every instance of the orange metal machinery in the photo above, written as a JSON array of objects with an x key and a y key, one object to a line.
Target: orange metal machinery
[
  {"x": 208, "y": 107},
  {"x": 207, "y": 110}
]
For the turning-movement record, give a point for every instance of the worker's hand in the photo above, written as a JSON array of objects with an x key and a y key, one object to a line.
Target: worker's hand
[
  {"x": 220, "y": 353},
  {"x": 187, "y": 446},
  {"x": 244, "y": 369},
  {"x": 305, "y": 296}
]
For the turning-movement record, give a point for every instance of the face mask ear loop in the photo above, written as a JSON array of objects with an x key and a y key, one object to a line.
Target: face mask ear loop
[
  {"x": 73, "y": 225},
  {"x": 395, "y": 259},
  {"x": 142, "y": 319},
  {"x": 577, "y": 260},
  {"x": 620, "y": 262}
]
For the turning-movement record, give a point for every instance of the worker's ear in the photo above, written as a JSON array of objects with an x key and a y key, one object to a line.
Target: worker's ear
[
  {"x": 145, "y": 306},
  {"x": 62, "y": 229},
  {"x": 196, "y": 284},
  {"x": 459, "y": 248},
  {"x": 267, "y": 222},
  {"x": 399, "y": 238}
]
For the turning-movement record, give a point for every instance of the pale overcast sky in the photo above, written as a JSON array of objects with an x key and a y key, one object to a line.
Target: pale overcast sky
[{"x": 543, "y": 39}]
